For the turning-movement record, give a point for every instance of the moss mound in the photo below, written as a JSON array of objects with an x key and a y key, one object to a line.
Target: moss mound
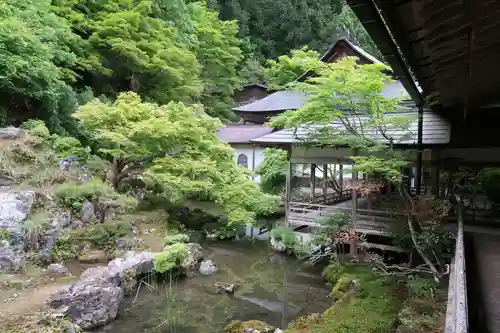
[{"x": 373, "y": 309}]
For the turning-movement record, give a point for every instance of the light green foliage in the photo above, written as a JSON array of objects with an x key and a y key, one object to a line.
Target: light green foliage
[
  {"x": 63, "y": 146},
  {"x": 101, "y": 236},
  {"x": 36, "y": 57},
  {"x": 163, "y": 50},
  {"x": 73, "y": 195},
  {"x": 273, "y": 170},
  {"x": 177, "y": 148},
  {"x": 172, "y": 238},
  {"x": 357, "y": 104},
  {"x": 330, "y": 227},
  {"x": 286, "y": 69},
  {"x": 285, "y": 236},
  {"x": 171, "y": 257}
]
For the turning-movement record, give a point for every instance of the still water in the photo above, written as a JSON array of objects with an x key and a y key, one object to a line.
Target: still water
[{"x": 191, "y": 305}]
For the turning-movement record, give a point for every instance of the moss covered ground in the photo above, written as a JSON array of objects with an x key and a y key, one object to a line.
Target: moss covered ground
[{"x": 365, "y": 302}]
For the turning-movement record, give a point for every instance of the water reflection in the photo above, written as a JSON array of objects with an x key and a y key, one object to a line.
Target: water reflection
[{"x": 193, "y": 305}]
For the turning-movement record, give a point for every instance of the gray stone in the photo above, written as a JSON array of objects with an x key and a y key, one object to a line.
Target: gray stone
[
  {"x": 140, "y": 263},
  {"x": 11, "y": 259},
  {"x": 93, "y": 256},
  {"x": 57, "y": 269},
  {"x": 94, "y": 299},
  {"x": 207, "y": 267},
  {"x": 278, "y": 330},
  {"x": 128, "y": 243},
  {"x": 87, "y": 213},
  {"x": 88, "y": 303},
  {"x": 14, "y": 209},
  {"x": 194, "y": 257},
  {"x": 11, "y": 133}
]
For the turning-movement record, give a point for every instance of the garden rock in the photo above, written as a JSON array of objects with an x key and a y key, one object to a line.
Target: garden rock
[
  {"x": 14, "y": 209},
  {"x": 129, "y": 243},
  {"x": 88, "y": 303},
  {"x": 11, "y": 259},
  {"x": 92, "y": 257},
  {"x": 194, "y": 257},
  {"x": 87, "y": 213},
  {"x": 133, "y": 263},
  {"x": 57, "y": 269},
  {"x": 11, "y": 133},
  {"x": 207, "y": 267}
]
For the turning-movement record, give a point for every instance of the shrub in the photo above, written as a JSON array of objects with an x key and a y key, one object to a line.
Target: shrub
[
  {"x": 73, "y": 195},
  {"x": 102, "y": 235},
  {"x": 420, "y": 287},
  {"x": 100, "y": 194},
  {"x": 285, "y": 236},
  {"x": 65, "y": 146},
  {"x": 171, "y": 257},
  {"x": 172, "y": 238}
]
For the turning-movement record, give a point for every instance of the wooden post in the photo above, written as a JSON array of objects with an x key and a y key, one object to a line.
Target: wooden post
[
  {"x": 354, "y": 205},
  {"x": 418, "y": 173},
  {"x": 341, "y": 177},
  {"x": 435, "y": 180},
  {"x": 313, "y": 180},
  {"x": 325, "y": 179},
  {"x": 288, "y": 191}
]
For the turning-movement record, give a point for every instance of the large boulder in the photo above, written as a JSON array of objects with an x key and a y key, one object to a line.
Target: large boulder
[
  {"x": 11, "y": 259},
  {"x": 11, "y": 133},
  {"x": 94, "y": 299},
  {"x": 133, "y": 264},
  {"x": 14, "y": 209},
  {"x": 89, "y": 303},
  {"x": 194, "y": 256}
]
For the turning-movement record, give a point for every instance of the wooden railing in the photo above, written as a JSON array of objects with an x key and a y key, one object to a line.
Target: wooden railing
[
  {"x": 456, "y": 310},
  {"x": 367, "y": 221},
  {"x": 332, "y": 198}
]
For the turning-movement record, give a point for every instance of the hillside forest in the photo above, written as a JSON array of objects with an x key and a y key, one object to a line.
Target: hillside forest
[{"x": 57, "y": 55}]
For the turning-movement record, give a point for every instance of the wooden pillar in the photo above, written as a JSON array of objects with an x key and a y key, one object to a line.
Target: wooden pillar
[
  {"x": 418, "y": 173},
  {"x": 288, "y": 191},
  {"x": 435, "y": 180},
  {"x": 354, "y": 205},
  {"x": 341, "y": 177},
  {"x": 325, "y": 179},
  {"x": 313, "y": 180}
]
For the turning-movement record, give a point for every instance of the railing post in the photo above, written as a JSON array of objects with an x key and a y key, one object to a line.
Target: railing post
[
  {"x": 456, "y": 312},
  {"x": 288, "y": 192},
  {"x": 354, "y": 193}
]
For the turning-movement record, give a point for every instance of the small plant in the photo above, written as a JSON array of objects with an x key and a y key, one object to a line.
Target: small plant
[
  {"x": 102, "y": 235},
  {"x": 420, "y": 287},
  {"x": 284, "y": 236},
  {"x": 34, "y": 229},
  {"x": 5, "y": 235},
  {"x": 172, "y": 238},
  {"x": 73, "y": 195},
  {"x": 171, "y": 257}
]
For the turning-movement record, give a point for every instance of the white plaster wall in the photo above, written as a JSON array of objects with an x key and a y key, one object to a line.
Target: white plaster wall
[{"x": 250, "y": 151}]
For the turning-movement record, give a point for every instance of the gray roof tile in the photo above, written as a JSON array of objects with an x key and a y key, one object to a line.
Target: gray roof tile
[{"x": 242, "y": 133}]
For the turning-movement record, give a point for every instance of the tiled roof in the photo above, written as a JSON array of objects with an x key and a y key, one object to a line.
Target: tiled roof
[
  {"x": 436, "y": 131},
  {"x": 242, "y": 133},
  {"x": 291, "y": 100},
  {"x": 278, "y": 101}
]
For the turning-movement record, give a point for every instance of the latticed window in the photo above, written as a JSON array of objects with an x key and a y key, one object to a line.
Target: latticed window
[{"x": 243, "y": 160}]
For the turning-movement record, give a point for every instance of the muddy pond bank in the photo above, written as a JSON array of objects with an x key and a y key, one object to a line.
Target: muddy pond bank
[{"x": 193, "y": 305}]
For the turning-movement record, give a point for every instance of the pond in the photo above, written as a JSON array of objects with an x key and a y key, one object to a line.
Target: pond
[{"x": 190, "y": 305}]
